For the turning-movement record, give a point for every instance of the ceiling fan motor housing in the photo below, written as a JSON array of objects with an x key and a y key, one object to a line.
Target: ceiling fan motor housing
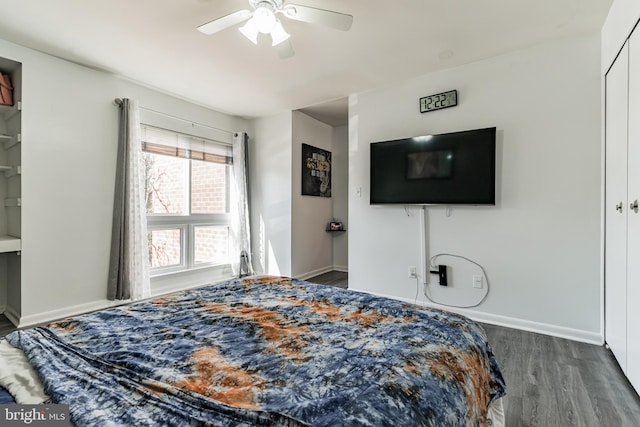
[{"x": 273, "y": 5}]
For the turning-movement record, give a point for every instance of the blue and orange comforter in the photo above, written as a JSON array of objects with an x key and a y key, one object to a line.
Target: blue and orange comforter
[{"x": 267, "y": 351}]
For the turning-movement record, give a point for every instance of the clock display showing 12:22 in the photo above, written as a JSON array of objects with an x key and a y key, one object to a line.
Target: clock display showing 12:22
[{"x": 439, "y": 101}]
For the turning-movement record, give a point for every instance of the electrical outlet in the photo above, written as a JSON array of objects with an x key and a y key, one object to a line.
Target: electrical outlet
[
  {"x": 412, "y": 273},
  {"x": 477, "y": 282}
]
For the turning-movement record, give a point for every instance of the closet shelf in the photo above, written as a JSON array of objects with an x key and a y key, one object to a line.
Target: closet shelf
[
  {"x": 10, "y": 140},
  {"x": 8, "y": 111},
  {"x": 10, "y": 244},
  {"x": 10, "y": 171},
  {"x": 13, "y": 202}
]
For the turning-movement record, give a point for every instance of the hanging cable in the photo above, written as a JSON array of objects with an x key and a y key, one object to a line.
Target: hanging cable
[{"x": 427, "y": 265}]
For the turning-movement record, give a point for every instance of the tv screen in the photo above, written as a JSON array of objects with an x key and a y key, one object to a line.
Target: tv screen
[{"x": 455, "y": 168}]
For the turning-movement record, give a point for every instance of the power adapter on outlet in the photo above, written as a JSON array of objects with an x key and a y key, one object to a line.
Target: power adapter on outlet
[{"x": 442, "y": 274}]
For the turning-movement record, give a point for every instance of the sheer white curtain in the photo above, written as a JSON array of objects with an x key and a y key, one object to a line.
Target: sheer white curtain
[
  {"x": 128, "y": 266},
  {"x": 240, "y": 230}
]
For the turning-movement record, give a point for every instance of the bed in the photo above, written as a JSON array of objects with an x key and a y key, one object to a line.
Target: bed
[{"x": 265, "y": 350}]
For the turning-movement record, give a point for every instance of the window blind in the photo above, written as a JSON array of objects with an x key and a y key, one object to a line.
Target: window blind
[{"x": 175, "y": 144}]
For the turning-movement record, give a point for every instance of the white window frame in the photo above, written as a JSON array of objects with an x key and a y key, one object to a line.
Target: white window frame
[{"x": 187, "y": 223}]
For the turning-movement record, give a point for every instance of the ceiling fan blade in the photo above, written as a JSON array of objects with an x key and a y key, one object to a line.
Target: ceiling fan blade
[
  {"x": 224, "y": 22},
  {"x": 328, "y": 18},
  {"x": 285, "y": 50}
]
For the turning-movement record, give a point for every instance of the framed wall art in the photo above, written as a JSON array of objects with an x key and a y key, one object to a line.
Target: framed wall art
[{"x": 316, "y": 171}]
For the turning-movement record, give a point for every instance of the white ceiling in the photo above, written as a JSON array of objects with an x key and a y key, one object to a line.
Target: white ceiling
[{"x": 155, "y": 42}]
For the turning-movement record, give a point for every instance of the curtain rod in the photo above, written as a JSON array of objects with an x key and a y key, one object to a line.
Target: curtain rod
[{"x": 118, "y": 101}]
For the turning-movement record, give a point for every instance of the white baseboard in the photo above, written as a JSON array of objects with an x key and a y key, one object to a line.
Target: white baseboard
[
  {"x": 75, "y": 310},
  {"x": 157, "y": 289},
  {"x": 580, "y": 335},
  {"x": 573, "y": 334},
  {"x": 61, "y": 313},
  {"x": 310, "y": 274},
  {"x": 12, "y": 315}
]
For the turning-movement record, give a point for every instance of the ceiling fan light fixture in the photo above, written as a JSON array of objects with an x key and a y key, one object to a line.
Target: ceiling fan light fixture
[
  {"x": 278, "y": 34},
  {"x": 250, "y": 31},
  {"x": 261, "y": 19},
  {"x": 264, "y": 19}
]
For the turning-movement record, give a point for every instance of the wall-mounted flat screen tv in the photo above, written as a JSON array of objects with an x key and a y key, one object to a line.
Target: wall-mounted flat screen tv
[{"x": 457, "y": 168}]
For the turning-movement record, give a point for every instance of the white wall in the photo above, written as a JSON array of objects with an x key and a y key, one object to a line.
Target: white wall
[
  {"x": 69, "y": 130},
  {"x": 540, "y": 245},
  {"x": 311, "y": 245},
  {"x": 270, "y": 157},
  {"x": 289, "y": 236},
  {"x": 340, "y": 195}
]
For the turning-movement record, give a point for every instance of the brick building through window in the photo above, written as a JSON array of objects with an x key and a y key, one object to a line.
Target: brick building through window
[{"x": 187, "y": 198}]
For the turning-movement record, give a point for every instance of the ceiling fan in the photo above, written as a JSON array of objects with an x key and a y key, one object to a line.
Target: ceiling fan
[{"x": 262, "y": 20}]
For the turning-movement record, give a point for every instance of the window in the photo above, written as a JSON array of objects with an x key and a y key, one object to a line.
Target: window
[{"x": 187, "y": 184}]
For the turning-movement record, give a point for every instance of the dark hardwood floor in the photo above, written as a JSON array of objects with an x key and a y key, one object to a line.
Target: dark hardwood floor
[
  {"x": 333, "y": 278},
  {"x": 557, "y": 382},
  {"x": 551, "y": 382}
]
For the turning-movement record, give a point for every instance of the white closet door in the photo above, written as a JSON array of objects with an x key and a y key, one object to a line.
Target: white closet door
[
  {"x": 616, "y": 208},
  {"x": 633, "y": 220}
]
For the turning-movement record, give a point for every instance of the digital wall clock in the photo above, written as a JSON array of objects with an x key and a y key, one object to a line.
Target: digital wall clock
[{"x": 439, "y": 101}]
